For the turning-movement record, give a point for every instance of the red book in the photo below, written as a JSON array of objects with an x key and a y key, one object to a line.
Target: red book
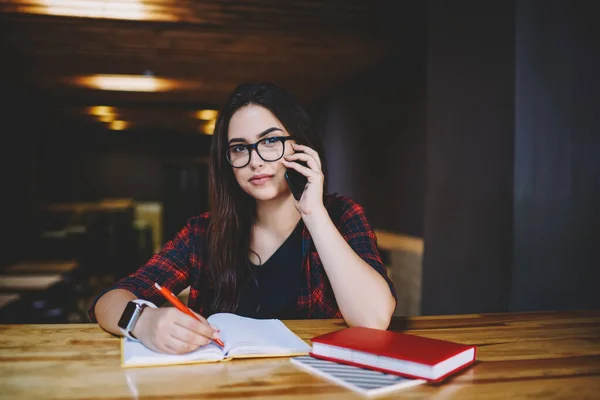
[{"x": 396, "y": 353}]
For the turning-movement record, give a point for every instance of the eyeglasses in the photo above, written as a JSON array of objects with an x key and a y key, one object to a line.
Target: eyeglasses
[{"x": 269, "y": 149}]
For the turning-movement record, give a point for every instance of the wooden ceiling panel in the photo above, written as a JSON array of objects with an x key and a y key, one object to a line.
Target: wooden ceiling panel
[
  {"x": 43, "y": 35},
  {"x": 266, "y": 15},
  {"x": 307, "y": 46}
]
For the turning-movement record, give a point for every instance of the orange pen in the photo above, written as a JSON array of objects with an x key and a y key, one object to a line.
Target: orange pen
[{"x": 174, "y": 300}]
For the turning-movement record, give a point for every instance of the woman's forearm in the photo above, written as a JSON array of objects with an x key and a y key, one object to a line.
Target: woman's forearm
[
  {"x": 109, "y": 308},
  {"x": 361, "y": 292}
]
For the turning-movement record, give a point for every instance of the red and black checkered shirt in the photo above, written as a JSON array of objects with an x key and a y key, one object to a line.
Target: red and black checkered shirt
[{"x": 180, "y": 261}]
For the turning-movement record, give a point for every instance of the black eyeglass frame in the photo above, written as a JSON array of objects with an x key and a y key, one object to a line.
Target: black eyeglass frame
[{"x": 254, "y": 146}]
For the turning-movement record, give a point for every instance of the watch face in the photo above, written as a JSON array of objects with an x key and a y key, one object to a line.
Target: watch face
[{"x": 127, "y": 314}]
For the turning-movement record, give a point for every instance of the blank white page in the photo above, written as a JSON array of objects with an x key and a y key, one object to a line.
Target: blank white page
[{"x": 243, "y": 335}]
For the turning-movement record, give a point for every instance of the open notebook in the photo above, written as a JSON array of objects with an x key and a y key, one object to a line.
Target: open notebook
[{"x": 243, "y": 338}]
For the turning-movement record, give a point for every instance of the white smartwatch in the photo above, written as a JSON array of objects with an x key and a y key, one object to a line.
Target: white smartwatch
[{"x": 131, "y": 314}]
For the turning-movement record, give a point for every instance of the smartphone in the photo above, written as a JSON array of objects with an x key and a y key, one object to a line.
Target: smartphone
[{"x": 296, "y": 181}]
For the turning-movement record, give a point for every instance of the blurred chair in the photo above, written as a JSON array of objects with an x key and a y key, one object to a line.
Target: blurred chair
[
  {"x": 42, "y": 298},
  {"x": 42, "y": 267},
  {"x": 111, "y": 238},
  {"x": 144, "y": 246},
  {"x": 403, "y": 256},
  {"x": 108, "y": 239},
  {"x": 151, "y": 213}
]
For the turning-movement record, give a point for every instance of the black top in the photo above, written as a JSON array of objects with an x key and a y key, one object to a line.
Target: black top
[{"x": 278, "y": 282}]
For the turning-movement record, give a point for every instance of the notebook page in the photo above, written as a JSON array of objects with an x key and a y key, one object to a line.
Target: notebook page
[
  {"x": 135, "y": 353},
  {"x": 243, "y": 335}
]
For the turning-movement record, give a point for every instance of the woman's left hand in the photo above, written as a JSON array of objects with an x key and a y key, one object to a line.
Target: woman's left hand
[{"x": 311, "y": 201}]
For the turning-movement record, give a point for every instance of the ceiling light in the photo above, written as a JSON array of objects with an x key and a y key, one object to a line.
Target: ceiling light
[
  {"x": 106, "y": 118},
  {"x": 118, "y": 125},
  {"x": 126, "y": 83},
  {"x": 114, "y": 9},
  {"x": 207, "y": 114},
  {"x": 208, "y": 127},
  {"x": 101, "y": 110}
]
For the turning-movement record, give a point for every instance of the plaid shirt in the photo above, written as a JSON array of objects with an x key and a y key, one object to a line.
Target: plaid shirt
[{"x": 180, "y": 261}]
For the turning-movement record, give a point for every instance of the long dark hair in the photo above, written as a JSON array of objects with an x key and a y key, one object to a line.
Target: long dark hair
[{"x": 233, "y": 210}]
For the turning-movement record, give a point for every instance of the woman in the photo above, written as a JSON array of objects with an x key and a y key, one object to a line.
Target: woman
[{"x": 260, "y": 252}]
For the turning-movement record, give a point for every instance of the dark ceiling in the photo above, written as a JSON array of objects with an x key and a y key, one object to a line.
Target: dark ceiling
[{"x": 309, "y": 47}]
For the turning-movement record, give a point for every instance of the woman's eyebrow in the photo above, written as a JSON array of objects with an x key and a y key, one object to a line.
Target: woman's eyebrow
[{"x": 259, "y": 136}]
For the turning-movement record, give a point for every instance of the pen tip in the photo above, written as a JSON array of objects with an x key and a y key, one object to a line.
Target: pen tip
[{"x": 156, "y": 285}]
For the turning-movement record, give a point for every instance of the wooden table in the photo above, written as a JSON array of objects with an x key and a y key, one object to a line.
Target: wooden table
[
  {"x": 7, "y": 298},
  {"x": 42, "y": 267},
  {"x": 28, "y": 282},
  {"x": 554, "y": 355}
]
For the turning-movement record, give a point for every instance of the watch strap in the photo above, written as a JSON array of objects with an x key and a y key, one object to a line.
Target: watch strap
[{"x": 143, "y": 304}]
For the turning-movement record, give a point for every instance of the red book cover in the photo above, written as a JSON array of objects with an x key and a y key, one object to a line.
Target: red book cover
[{"x": 424, "y": 351}]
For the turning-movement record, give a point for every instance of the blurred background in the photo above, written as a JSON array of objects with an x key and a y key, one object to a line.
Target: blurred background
[{"x": 468, "y": 130}]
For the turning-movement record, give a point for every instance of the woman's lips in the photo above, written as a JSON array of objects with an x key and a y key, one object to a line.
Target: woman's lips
[{"x": 260, "y": 180}]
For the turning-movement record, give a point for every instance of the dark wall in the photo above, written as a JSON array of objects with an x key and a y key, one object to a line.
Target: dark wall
[
  {"x": 186, "y": 193},
  {"x": 557, "y": 154},
  {"x": 20, "y": 150},
  {"x": 470, "y": 122},
  {"x": 122, "y": 174},
  {"x": 374, "y": 128},
  {"x": 87, "y": 163},
  {"x": 513, "y": 168}
]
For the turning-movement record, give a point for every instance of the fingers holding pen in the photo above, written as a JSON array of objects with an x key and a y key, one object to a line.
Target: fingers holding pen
[
  {"x": 200, "y": 327},
  {"x": 169, "y": 330},
  {"x": 187, "y": 339}
]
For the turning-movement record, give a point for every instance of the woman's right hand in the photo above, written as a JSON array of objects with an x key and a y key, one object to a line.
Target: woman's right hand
[{"x": 168, "y": 330}]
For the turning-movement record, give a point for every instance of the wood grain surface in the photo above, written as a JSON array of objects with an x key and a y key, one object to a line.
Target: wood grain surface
[{"x": 550, "y": 355}]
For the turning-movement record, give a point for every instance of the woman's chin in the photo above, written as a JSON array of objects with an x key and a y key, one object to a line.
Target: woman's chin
[{"x": 265, "y": 194}]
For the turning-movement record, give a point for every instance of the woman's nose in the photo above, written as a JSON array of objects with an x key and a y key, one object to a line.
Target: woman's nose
[{"x": 255, "y": 160}]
